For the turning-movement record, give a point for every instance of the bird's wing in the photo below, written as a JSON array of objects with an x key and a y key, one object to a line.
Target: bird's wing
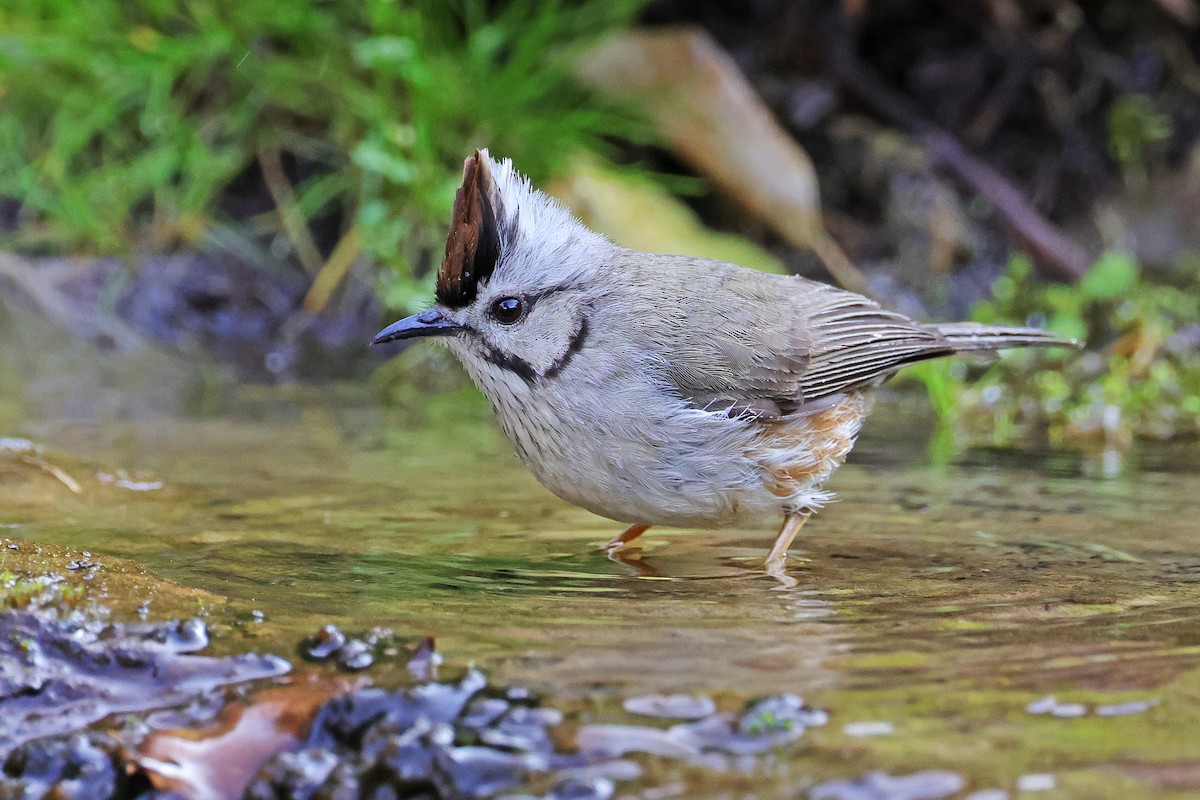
[
  {"x": 856, "y": 342},
  {"x": 768, "y": 344}
]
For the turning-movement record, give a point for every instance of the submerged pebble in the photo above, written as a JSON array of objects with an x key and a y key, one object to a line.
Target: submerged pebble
[
  {"x": 78, "y": 767},
  {"x": 1036, "y": 783},
  {"x": 1125, "y": 709},
  {"x": 763, "y": 726},
  {"x": 573, "y": 789},
  {"x": 425, "y": 661},
  {"x": 925, "y": 785},
  {"x": 355, "y": 655},
  {"x": 1051, "y": 706},
  {"x": 330, "y": 643},
  {"x": 324, "y": 644},
  {"x": 779, "y": 714},
  {"x": 864, "y": 729},
  {"x": 671, "y": 706}
]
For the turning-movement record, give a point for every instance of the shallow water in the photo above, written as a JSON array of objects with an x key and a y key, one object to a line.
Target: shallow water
[{"x": 941, "y": 600}]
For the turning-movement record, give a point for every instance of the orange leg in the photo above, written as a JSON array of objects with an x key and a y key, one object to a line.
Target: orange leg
[
  {"x": 631, "y": 533},
  {"x": 792, "y": 523}
]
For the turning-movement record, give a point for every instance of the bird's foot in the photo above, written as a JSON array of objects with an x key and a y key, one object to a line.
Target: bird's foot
[
  {"x": 631, "y": 558},
  {"x": 618, "y": 551},
  {"x": 776, "y": 568},
  {"x": 619, "y": 543}
]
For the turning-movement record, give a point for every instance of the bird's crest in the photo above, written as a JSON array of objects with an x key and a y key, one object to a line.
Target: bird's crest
[{"x": 473, "y": 245}]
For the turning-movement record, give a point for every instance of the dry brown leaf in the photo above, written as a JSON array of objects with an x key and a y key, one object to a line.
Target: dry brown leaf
[{"x": 709, "y": 114}]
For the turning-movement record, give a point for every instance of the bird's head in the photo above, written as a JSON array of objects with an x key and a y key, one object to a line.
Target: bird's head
[{"x": 519, "y": 278}]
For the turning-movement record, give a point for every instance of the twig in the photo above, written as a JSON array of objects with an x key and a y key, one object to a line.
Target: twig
[
  {"x": 1055, "y": 254},
  {"x": 838, "y": 264},
  {"x": 1184, "y": 11},
  {"x": 294, "y": 225},
  {"x": 1003, "y": 97},
  {"x": 58, "y": 473},
  {"x": 330, "y": 276}
]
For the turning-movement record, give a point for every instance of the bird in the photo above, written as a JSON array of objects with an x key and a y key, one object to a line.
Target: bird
[{"x": 664, "y": 390}]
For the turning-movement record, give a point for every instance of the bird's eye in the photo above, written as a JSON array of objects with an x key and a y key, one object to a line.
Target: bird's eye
[{"x": 508, "y": 310}]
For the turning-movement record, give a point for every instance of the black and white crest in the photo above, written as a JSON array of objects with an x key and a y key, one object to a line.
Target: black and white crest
[{"x": 473, "y": 245}]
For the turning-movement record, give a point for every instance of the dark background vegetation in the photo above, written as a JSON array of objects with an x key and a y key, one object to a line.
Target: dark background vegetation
[{"x": 272, "y": 179}]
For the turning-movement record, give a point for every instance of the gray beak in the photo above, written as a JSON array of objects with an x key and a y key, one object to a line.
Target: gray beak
[{"x": 427, "y": 323}]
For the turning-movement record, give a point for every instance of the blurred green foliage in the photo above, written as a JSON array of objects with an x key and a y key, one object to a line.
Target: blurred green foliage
[
  {"x": 125, "y": 123},
  {"x": 1139, "y": 377},
  {"x": 1136, "y": 128}
]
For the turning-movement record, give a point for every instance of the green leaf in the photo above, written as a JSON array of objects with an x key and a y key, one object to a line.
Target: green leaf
[
  {"x": 1068, "y": 325},
  {"x": 1113, "y": 275}
]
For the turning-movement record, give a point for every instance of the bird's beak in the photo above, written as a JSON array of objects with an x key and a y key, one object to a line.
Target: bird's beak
[{"x": 427, "y": 323}]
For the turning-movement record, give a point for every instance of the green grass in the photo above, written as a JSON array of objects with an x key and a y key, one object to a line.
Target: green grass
[{"x": 125, "y": 124}]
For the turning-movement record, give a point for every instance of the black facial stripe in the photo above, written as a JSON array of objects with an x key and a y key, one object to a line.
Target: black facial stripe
[
  {"x": 518, "y": 366},
  {"x": 574, "y": 347},
  {"x": 522, "y": 368}
]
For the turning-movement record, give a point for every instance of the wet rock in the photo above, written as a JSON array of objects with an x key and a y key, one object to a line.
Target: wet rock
[
  {"x": 483, "y": 711},
  {"x": 58, "y": 675},
  {"x": 443, "y": 702},
  {"x": 425, "y": 661},
  {"x": 765, "y": 725},
  {"x": 302, "y": 773},
  {"x": 482, "y": 771},
  {"x": 574, "y": 789},
  {"x": 187, "y": 636},
  {"x": 1038, "y": 782},
  {"x": 76, "y": 768},
  {"x": 864, "y": 729},
  {"x": 926, "y": 785},
  {"x": 355, "y": 655},
  {"x": 1125, "y": 709},
  {"x": 324, "y": 644},
  {"x": 611, "y": 741},
  {"x": 329, "y": 740},
  {"x": 407, "y": 758},
  {"x": 671, "y": 706},
  {"x": 448, "y": 740},
  {"x": 344, "y": 720},
  {"x": 359, "y": 653},
  {"x": 785, "y": 712},
  {"x": 1050, "y": 706},
  {"x": 988, "y": 794},
  {"x": 614, "y": 770},
  {"x": 122, "y": 480},
  {"x": 523, "y": 729}
]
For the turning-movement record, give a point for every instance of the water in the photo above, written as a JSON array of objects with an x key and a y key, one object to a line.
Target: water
[{"x": 934, "y": 603}]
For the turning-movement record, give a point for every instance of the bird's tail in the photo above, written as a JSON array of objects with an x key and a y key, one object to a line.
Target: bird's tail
[{"x": 967, "y": 337}]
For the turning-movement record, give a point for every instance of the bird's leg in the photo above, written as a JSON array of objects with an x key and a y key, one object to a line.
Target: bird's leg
[
  {"x": 631, "y": 533},
  {"x": 792, "y": 523}
]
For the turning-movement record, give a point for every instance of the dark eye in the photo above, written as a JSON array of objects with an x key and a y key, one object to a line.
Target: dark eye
[{"x": 508, "y": 310}]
